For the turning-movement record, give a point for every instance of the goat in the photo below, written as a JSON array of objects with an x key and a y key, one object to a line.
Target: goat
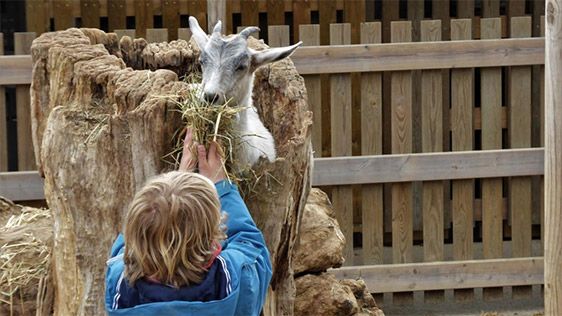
[{"x": 228, "y": 67}]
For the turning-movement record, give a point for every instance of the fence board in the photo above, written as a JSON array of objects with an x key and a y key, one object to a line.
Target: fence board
[
  {"x": 116, "y": 15},
  {"x": 342, "y": 196},
  {"x": 26, "y": 157},
  {"x": 371, "y": 144},
  {"x": 520, "y": 137},
  {"x": 143, "y": 17},
  {"x": 411, "y": 56},
  {"x": 216, "y": 10},
  {"x": 432, "y": 141},
  {"x": 542, "y": 128},
  {"x": 462, "y": 86},
  {"x": 310, "y": 35},
  {"x": 278, "y": 35},
  {"x": 90, "y": 13},
  {"x": 491, "y": 101},
  {"x": 62, "y": 14},
  {"x": 3, "y": 120},
  {"x": 250, "y": 12},
  {"x": 401, "y": 139},
  {"x": 21, "y": 186},
  {"x": 198, "y": 9},
  {"x": 37, "y": 16},
  {"x": 156, "y": 35},
  {"x": 447, "y": 275},
  {"x": 301, "y": 16},
  {"x": 276, "y": 12},
  {"x": 184, "y": 34},
  {"x": 171, "y": 17}
]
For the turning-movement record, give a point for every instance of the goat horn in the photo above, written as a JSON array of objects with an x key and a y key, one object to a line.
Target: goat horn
[
  {"x": 218, "y": 27},
  {"x": 245, "y": 33}
]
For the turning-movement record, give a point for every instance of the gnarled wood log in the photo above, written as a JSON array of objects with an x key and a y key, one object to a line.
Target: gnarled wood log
[{"x": 100, "y": 129}]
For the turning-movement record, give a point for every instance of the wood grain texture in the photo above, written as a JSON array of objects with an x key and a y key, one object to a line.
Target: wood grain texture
[
  {"x": 432, "y": 141},
  {"x": 340, "y": 101},
  {"x": 198, "y": 9},
  {"x": 3, "y": 120},
  {"x": 278, "y": 35},
  {"x": 156, "y": 35},
  {"x": 62, "y": 14},
  {"x": 171, "y": 17},
  {"x": 371, "y": 144},
  {"x": 490, "y": 8},
  {"x": 250, "y": 12},
  {"x": 553, "y": 161},
  {"x": 446, "y": 275},
  {"x": 184, "y": 34},
  {"x": 275, "y": 12},
  {"x": 410, "y": 56},
  {"x": 301, "y": 16},
  {"x": 37, "y": 16},
  {"x": 491, "y": 104},
  {"x": 540, "y": 72},
  {"x": 462, "y": 108},
  {"x": 520, "y": 198},
  {"x": 144, "y": 18},
  {"x": 401, "y": 138},
  {"x": 21, "y": 186},
  {"x": 116, "y": 15},
  {"x": 26, "y": 157},
  {"x": 216, "y": 11},
  {"x": 90, "y": 13},
  {"x": 310, "y": 35}
]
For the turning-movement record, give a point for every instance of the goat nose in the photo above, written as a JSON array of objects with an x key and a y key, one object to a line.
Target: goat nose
[{"x": 211, "y": 97}]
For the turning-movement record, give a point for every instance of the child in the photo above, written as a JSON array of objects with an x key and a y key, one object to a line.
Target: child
[{"x": 174, "y": 258}]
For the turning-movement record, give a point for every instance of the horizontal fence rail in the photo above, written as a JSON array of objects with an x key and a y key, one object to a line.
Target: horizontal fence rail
[
  {"x": 373, "y": 57},
  {"x": 447, "y": 275},
  {"x": 28, "y": 185}
]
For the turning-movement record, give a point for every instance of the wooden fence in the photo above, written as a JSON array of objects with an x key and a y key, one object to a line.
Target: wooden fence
[{"x": 419, "y": 143}]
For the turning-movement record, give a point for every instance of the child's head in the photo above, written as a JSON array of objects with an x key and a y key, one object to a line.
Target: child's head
[{"x": 172, "y": 228}]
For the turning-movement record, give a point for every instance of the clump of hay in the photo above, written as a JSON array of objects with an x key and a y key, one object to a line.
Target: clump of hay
[{"x": 25, "y": 259}]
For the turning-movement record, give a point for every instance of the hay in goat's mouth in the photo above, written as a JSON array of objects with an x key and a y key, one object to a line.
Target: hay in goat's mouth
[{"x": 24, "y": 258}]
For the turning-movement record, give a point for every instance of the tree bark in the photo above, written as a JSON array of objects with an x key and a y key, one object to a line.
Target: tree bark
[{"x": 100, "y": 129}]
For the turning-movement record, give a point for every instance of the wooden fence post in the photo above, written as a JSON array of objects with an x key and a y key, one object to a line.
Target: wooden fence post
[
  {"x": 216, "y": 10},
  {"x": 3, "y": 120},
  {"x": 553, "y": 160}
]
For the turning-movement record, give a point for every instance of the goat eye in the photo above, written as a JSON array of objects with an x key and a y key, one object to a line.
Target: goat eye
[
  {"x": 241, "y": 67},
  {"x": 202, "y": 62}
]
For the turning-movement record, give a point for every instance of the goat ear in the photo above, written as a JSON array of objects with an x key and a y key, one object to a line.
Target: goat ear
[
  {"x": 199, "y": 35},
  {"x": 218, "y": 27},
  {"x": 264, "y": 57}
]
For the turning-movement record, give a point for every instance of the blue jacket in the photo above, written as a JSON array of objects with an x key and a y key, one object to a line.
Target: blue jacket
[{"x": 246, "y": 257}]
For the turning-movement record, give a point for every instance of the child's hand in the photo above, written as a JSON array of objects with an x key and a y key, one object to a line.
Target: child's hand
[
  {"x": 210, "y": 164},
  {"x": 188, "y": 162}
]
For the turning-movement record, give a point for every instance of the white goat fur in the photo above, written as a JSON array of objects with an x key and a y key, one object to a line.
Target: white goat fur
[{"x": 228, "y": 66}]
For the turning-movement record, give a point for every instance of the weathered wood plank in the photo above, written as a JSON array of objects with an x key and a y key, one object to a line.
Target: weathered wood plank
[
  {"x": 310, "y": 35},
  {"x": 21, "y": 186},
  {"x": 301, "y": 16},
  {"x": 3, "y": 120},
  {"x": 553, "y": 161},
  {"x": 216, "y": 11},
  {"x": 90, "y": 13},
  {"x": 491, "y": 104},
  {"x": 278, "y": 35},
  {"x": 144, "y": 18},
  {"x": 371, "y": 144},
  {"x": 432, "y": 141},
  {"x": 116, "y": 15},
  {"x": 275, "y": 12},
  {"x": 62, "y": 14},
  {"x": 156, "y": 35},
  {"x": 410, "y": 56},
  {"x": 250, "y": 12},
  {"x": 520, "y": 199},
  {"x": 26, "y": 156},
  {"x": 171, "y": 18},
  {"x": 401, "y": 139},
  {"x": 447, "y": 275},
  {"x": 184, "y": 34},
  {"x": 342, "y": 196},
  {"x": 198, "y": 9},
  {"x": 462, "y": 108},
  {"x": 37, "y": 16},
  {"x": 491, "y": 9}
]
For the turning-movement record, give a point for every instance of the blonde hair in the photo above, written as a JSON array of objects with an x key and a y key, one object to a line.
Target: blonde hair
[{"x": 172, "y": 228}]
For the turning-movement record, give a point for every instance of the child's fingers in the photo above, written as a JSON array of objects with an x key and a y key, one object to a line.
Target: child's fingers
[
  {"x": 202, "y": 155},
  {"x": 188, "y": 137}
]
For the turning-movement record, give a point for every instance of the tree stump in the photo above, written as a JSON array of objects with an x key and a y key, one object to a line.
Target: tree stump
[{"x": 100, "y": 129}]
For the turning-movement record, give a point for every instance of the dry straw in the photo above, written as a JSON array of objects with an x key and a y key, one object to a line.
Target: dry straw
[{"x": 24, "y": 256}]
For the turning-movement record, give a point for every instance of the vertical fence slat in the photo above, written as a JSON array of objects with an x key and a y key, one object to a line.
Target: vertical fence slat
[
  {"x": 342, "y": 196},
  {"x": 143, "y": 17},
  {"x": 301, "y": 15},
  {"x": 116, "y": 15},
  {"x": 520, "y": 205},
  {"x": 156, "y": 35},
  {"x": 171, "y": 17},
  {"x": 401, "y": 138},
  {"x": 250, "y": 12},
  {"x": 216, "y": 10},
  {"x": 462, "y": 86},
  {"x": 275, "y": 12},
  {"x": 371, "y": 144},
  {"x": 184, "y": 34},
  {"x": 327, "y": 15},
  {"x": 432, "y": 141},
  {"x": 198, "y": 9},
  {"x": 3, "y": 120},
  {"x": 491, "y": 105},
  {"x": 26, "y": 158},
  {"x": 62, "y": 13},
  {"x": 37, "y": 16},
  {"x": 310, "y": 36},
  {"x": 90, "y": 13},
  {"x": 542, "y": 118},
  {"x": 278, "y": 35},
  {"x": 490, "y": 8}
]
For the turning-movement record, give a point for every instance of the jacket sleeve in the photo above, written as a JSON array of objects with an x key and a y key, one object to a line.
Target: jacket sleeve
[{"x": 244, "y": 236}]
